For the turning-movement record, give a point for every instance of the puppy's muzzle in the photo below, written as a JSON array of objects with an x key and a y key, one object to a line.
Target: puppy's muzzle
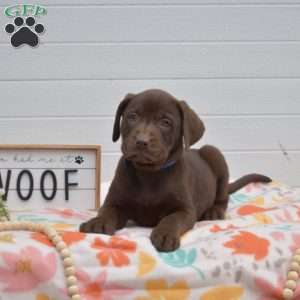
[{"x": 142, "y": 141}]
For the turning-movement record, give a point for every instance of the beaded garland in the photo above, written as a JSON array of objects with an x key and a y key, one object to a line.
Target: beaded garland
[
  {"x": 54, "y": 237},
  {"x": 292, "y": 276}
]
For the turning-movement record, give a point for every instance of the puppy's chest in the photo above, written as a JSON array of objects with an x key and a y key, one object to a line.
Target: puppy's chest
[{"x": 148, "y": 210}]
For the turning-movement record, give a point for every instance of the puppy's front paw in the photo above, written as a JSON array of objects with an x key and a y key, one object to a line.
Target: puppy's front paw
[
  {"x": 98, "y": 225},
  {"x": 164, "y": 240},
  {"x": 216, "y": 212}
]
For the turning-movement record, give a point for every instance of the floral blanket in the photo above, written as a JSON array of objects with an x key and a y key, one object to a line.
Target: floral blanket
[{"x": 243, "y": 257}]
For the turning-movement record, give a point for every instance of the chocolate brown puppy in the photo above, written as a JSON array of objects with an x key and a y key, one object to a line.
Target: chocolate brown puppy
[{"x": 159, "y": 182}]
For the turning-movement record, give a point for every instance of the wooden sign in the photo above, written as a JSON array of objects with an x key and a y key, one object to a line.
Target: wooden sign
[{"x": 38, "y": 176}]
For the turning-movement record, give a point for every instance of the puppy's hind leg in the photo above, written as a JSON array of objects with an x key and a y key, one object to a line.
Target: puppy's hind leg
[{"x": 218, "y": 165}]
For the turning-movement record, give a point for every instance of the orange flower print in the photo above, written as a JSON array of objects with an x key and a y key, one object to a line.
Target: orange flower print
[
  {"x": 159, "y": 289},
  {"x": 42, "y": 238},
  {"x": 249, "y": 244},
  {"x": 71, "y": 237},
  {"x": 251, "y": 209},
  {"x": 115, "y": 249},
  {"x": 99, "y": 288},
  {"x": 217, "y": 228}
]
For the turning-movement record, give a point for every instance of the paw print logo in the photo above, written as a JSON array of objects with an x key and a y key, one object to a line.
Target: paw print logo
[
  {"x": 79, "y": 160},
  {"x": 24, "y": 32}
]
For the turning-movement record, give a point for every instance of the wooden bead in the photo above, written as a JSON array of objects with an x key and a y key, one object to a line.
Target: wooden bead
[
  {"x": 70, "y": 271},
  {"x": 39, "y": 227},
  {"x": 65, "y": 253},
  {"x": 76, "y": 297},
  {"x": 288, "y": 294},
  {"x": 13, "y": 226},
  {"x": 295, "y": 266},
  {"x": 61, "y": 246},
  {"x": 50, "y": 231},
  {"x": 71, "y": 280},
  {"x": 290, "y": 284},
  {"x": 25, "y": 225},
  {"x": 19, "y": 226},
  {"x": 32, "y": 227},
  {"x": 292, "y": 275},
  {"x": 3, "y": 226},
  {"x": 56, "y": 239},
  {"x": 73, "y": 290},
  {"x": 296, "y": 258},
  {"x": 28, "y": 225},
  {"x": 68, "y": 262}
]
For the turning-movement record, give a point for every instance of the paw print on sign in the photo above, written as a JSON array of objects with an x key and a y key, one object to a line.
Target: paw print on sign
[
  {"x": 79, "y": 160},
  {"x": 24, "y": 33}
]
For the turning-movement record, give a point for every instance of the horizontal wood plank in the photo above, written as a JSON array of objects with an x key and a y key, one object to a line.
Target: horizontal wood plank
[
  {"x": 98, "y": 98},
  {"x": 159, "y": 61}
]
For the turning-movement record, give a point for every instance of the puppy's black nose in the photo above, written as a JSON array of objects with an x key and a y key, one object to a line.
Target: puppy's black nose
[{"x": 141, "y": 143}]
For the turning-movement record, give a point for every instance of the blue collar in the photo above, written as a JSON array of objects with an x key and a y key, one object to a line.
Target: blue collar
[{"x": 166, "y": 166}]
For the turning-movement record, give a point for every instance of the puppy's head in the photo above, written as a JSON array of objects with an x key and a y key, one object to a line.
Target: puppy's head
[{"x": 154, "y": 126}]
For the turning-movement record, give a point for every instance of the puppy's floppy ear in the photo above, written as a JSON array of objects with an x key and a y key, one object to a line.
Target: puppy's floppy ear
[
  {"x": 119, "y": 113},
  {"x": 192, "y": 127}
]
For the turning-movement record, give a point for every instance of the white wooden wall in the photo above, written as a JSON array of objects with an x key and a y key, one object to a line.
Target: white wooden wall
[{"x": 237, "y": 62}]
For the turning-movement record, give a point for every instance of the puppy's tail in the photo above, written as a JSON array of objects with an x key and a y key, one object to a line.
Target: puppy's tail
[{"x": 241, "y": 182}]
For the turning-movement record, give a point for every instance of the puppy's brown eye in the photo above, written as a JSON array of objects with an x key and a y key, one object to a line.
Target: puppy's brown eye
[
  {"x": 132, "y": 117},
  {"x": 165, "y": 123}
]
